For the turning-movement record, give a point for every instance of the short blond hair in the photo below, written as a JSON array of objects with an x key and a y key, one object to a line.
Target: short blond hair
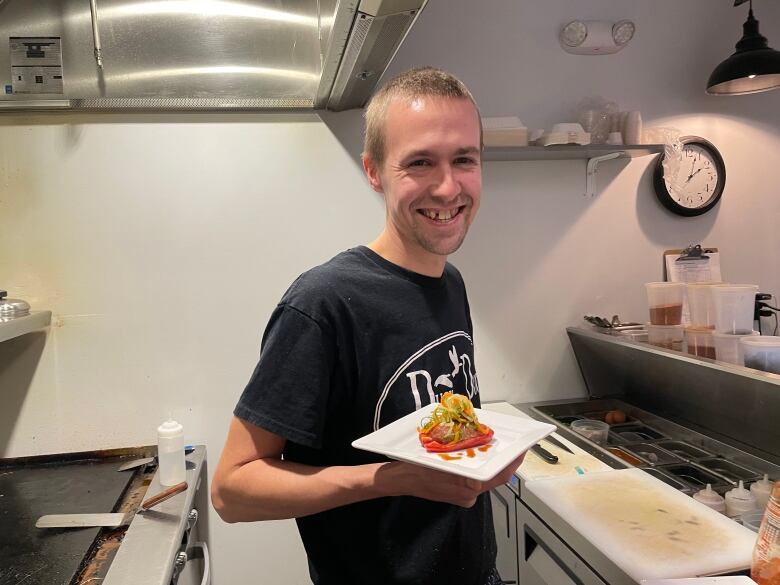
[{"x": 409, "y": 85}]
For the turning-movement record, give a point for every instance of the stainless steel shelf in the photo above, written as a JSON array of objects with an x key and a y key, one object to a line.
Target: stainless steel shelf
[
  {"x": 567, "y": 151},
  {"x": 21, "y": 325}
]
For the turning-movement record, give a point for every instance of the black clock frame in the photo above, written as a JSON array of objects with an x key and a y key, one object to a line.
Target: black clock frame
[{"x": 666, "y": 198}]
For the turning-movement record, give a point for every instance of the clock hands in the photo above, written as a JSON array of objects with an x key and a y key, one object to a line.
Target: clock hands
[{"x": 692, "y": 175}]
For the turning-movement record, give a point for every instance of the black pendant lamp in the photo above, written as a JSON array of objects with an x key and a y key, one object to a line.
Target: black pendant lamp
[{"x": 753, "y": 68}]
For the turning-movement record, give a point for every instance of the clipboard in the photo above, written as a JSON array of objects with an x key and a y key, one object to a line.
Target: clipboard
[{"x": 693, "y": 264}]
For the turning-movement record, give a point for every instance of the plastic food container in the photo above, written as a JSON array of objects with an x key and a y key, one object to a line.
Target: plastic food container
[
  {"x": 668, "y": 336},
  {"x": 727, "y": 348},
  {"x": 700, "y": 342},
  {"x": 734, "y": 307},
  {"x": 665, "y": 300},
  {"x": 595, "y": 430},
  {"x": 701, "y": 305},
  {"x": 762, "y": 353},
  {"x": 504, "y": 131},
  {"x": 752, "y": 520}
]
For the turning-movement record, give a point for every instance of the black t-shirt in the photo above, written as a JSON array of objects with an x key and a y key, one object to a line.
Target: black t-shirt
[{"x": 355, "y": 344}]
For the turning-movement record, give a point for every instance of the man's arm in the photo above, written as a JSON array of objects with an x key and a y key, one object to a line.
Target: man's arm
[{"x": 252, "y": 482}]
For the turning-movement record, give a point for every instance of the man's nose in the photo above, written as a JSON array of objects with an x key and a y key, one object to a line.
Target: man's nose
[{"x": 447, "y": 184}]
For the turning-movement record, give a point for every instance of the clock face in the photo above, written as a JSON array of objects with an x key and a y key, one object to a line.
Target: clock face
[
  {"x": 698, "y": 183},
  {"x": 697, "y": 178}
]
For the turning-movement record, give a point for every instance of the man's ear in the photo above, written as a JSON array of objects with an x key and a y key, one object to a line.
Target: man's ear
[{"x": 372, "y": 173}]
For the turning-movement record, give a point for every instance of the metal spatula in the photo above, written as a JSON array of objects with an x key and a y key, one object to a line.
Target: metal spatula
[
  {"x": 110, "y": 520},
  {"x": 107, "y": 520}
]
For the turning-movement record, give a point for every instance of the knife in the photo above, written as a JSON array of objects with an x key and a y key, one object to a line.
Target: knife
[
  {"x": 557, "y": 443},
  {"x": 544, "y": 453},
  {"x": 109, "y": 520}
]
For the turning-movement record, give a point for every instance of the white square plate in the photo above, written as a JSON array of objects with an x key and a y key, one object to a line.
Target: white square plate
[{"x": 512, "y": 436}]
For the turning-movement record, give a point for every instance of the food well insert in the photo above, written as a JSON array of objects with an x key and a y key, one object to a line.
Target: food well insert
[{"x": 679, "y": 456}]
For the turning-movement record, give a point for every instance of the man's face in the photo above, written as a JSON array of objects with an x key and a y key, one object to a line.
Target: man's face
[{"x": 431, "y": 176}]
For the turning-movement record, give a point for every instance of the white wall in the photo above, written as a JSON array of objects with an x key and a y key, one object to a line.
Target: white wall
[{"x": 162, "y": 243}]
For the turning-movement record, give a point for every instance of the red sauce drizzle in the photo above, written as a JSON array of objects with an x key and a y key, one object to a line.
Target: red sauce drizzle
[
  {"x": 448, "y": 457},
  {"x": 470, "y": 452},
  {"x": 484, "y": 448}
]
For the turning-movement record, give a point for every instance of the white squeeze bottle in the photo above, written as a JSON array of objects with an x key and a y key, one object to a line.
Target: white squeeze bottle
[
  {"x": 761, "y": 490},
  {"x": 711, "y": 499},
  {"x": 170, "y": 452}
]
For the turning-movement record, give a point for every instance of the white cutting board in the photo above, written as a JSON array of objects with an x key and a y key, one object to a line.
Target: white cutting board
[
  {"x": 647, "y": 528},
  {"x": 534, "y": 467}
]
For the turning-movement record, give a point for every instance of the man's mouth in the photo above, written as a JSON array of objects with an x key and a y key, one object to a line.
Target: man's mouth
[{"x": 441, "y": 215}]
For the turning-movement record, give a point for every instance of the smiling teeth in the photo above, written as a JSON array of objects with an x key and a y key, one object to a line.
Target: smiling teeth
[{"x": 440, "y": 215}]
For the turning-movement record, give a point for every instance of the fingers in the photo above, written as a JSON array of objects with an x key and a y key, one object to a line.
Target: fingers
[{"x": 440, "y": 486}]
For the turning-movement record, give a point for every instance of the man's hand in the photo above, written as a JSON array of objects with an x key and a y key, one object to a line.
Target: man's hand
[{"x": 407, "y": 479}]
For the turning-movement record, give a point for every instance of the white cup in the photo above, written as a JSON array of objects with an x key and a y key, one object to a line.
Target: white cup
[
  {"x": 734, "y": 307},
  {"x": 632, "y": 129},
  {"x": 701, "y": 304}
]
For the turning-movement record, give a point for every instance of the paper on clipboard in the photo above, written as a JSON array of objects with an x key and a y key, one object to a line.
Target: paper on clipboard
[{"x": 690, "y": 266}]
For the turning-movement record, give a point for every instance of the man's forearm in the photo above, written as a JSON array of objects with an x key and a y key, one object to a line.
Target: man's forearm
[{"x": 273, "y": 489}]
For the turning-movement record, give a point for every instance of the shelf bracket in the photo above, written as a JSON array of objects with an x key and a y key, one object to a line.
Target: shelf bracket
[{"x": 593, "y": 165}]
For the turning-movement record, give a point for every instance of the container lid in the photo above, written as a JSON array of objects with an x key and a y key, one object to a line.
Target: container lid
[
  {"x": 735, "y": 287},
  {"x": 704, "y": 332},
  {"x": 761, "y": 340},
  {"x": 709, "y": 497},
  {"x": 663, "y": 327},
  {"x": 734, "y": 336},
  {"x": 704, "y": 284},
  {"x": 170, "y": 428},
  {"x": 12, "y": 308},
  {"x": 665, "y": 284}
]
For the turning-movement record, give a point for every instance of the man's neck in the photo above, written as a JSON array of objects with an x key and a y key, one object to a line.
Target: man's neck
[{"x": 414, "y": 259}]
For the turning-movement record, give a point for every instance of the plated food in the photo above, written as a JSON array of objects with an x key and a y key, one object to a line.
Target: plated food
[{"x": 453, "y": 426}]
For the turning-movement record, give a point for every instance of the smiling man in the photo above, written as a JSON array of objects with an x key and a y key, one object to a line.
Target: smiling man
[{"x": 374, "y": 334}]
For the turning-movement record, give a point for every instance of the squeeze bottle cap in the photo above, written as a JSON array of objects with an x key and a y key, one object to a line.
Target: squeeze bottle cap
[
  {"x": 711, "y": 498},
  {"x": 170, "y": 428}
]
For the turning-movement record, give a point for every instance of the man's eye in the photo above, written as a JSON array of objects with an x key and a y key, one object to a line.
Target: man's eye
[
  {"x": 465, "y": 160},
  {"x": 419, "y": 163}
]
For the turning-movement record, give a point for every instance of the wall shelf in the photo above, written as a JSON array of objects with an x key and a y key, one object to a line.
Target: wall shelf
[
  {"x": 27, "y": 324},
  {"x": 567, "y": 151},
  {"x": 593, "y": 153}
]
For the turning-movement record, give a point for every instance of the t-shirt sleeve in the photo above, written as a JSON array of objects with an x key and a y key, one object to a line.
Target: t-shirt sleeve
[{"x": 288, "y": 392}]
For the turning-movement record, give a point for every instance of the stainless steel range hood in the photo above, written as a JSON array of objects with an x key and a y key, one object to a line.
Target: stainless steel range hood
[{"x": 197, "y": 54}]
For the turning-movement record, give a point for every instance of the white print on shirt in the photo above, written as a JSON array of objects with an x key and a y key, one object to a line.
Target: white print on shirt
[{"x": 450, "y": 353}]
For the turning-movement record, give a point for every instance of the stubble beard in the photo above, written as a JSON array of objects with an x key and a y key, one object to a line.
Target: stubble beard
[{"x": 439, "y": 247}]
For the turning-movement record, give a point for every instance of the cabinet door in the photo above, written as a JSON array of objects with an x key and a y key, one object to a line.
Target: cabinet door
[
  {"x": 503, "y": 501},
  {"x": 544, "y": 559}
]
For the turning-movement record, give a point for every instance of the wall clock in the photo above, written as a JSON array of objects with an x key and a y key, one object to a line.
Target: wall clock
[{"x": 697, "y": 185}]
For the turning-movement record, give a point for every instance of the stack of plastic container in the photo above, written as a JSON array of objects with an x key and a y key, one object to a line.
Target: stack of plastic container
[
  {"x": 665, "y": 301},
  {"x": 733, "y": 306},
  {"x": 701, "y": 307}
]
